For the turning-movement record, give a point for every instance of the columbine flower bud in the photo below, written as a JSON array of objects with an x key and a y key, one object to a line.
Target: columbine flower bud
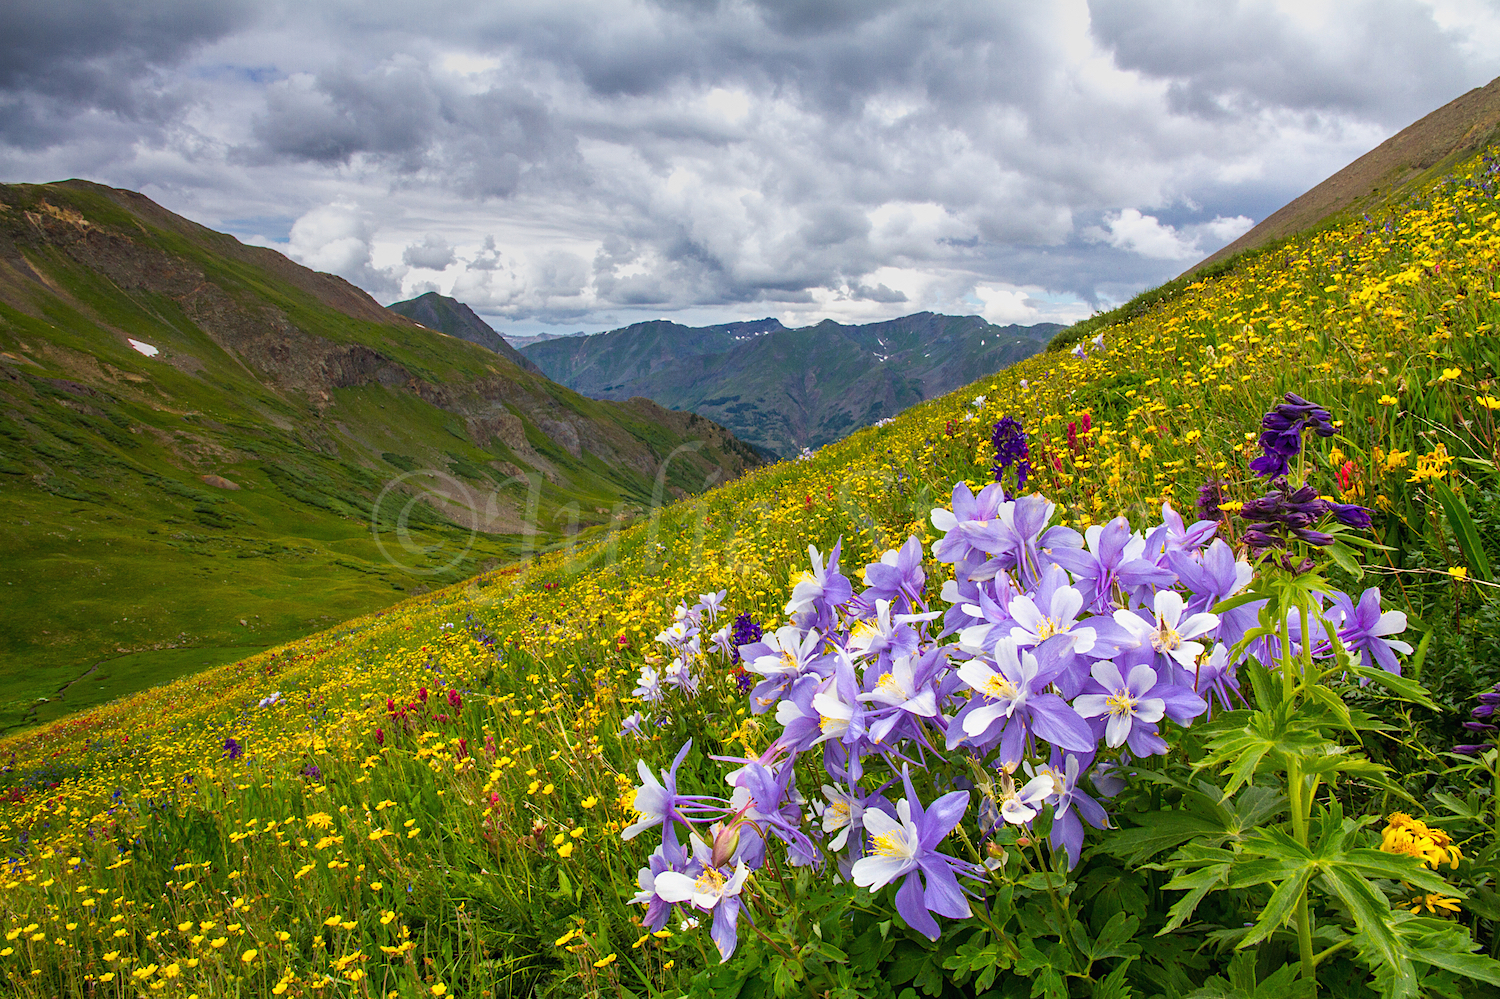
[{"x": 726, "y": 842}]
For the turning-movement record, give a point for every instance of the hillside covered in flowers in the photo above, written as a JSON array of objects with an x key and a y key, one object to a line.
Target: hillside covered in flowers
[{"x": 1031, "y": 750}]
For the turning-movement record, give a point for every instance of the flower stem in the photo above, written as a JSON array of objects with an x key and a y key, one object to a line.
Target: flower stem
[{"x": 1296, "y": 792}]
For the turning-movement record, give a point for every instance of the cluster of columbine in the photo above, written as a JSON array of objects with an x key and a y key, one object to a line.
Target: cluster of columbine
[
  {"x": 1060, "y": 658},
  {"x": 685, "y": 640}
]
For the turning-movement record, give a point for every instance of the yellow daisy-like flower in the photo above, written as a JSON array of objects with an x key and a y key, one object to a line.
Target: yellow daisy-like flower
[
  {"x": 1434, "y": 904},
  {"x": 1414, "y": 838},
  {"x": 249, "y": 955}
]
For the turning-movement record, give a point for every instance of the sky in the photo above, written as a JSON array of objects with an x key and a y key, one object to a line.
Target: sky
[{"x": 571, "y": 165}]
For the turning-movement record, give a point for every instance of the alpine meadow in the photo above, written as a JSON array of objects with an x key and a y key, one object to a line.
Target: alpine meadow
[{"x": 1162, "y": 663}]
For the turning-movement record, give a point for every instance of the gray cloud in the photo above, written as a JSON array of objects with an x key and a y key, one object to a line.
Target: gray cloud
[
  {"x": 434, "y": 253},
  {"x": 60, "y": 60},
  {"x": 590, "y": 161},
  {"x": 1385, "y": 59}
]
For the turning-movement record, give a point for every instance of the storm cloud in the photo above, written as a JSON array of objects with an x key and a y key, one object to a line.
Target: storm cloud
[{"x": 587, "y": 164}]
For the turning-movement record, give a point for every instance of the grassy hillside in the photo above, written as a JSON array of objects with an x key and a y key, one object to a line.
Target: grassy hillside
[
  {"x": 219, "y": 493},
  {"x": 785, "y": 389},
  {"x": 214, "y": 837}
]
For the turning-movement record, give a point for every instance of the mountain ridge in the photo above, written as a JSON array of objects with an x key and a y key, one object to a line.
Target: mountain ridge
[
  {"x": 782, "y": 388},
  {"x": 450, "y": 316}
]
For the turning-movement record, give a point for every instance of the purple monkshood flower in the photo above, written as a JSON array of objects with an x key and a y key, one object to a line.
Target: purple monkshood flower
[
  {"x": 1363, "y": 629},
  {"x": 1488, "y": 700},
  {"x": 232, "y": 748},
  {"x": 1281, "y": 433},
  {"x": 1210, "y": 498},
  {"x": 1351, "y": 515},
  {"x": 1009, "y": 440},
  {"x": 897, "y": 578},
  {"x": 1013, "y": 705},
  {"x": 1132, "y": 705},
  {"x": 746, "y": 631},
  {"x": 905, "y": 847},
  {"x": 658, "y": 803}
]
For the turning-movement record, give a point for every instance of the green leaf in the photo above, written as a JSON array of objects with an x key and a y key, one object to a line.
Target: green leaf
[
  {"x": 1464, "y": 530},
  {"x": 1279, "y": 909},
  {"x": 1115, "y": 940},
  {"x": 1197, "y": 884},
  {"x": 1403, "y": 687},
  {"x": 1113, "y": 985},
  {"x": 1343, "y": 557},
  {"x": 1224, "y": 606}
]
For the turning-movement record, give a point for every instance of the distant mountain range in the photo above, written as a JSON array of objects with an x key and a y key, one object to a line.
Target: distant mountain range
[
  {"x": 196, "y": 435},
  {"x": 784, "y": 389}
]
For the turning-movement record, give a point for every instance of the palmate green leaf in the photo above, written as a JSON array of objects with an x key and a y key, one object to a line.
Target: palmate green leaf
[
  {"x": 1371, "y": 910},
  {"x": 1205, "y": 816},
  {"x": 1114, "y": 985},
  {"x": 1397, "y": 867},
  {"x": 1116, "y": 939},
  {"x": 1278, "y": 910},
  {"x": 1197, "y": 884},
  {"x": 1276, "y": 735},
  {"x": 1445, "y": 944},
  {"x": 1283, "y": 983}
]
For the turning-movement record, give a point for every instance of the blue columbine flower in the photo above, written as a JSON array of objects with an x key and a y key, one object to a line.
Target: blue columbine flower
[
  {"x": 1363, "y": 629},
  {"x": 658, "y": 803},
  {"x": 1013, "y": 704},
  {"x": 904, "y": 847}
]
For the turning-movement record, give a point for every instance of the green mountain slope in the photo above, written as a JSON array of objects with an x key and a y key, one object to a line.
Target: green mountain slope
[
  {"x": 450, "y": 316},
  {"x": 785, "y": 389},
  {"x": 215, "y": 487}
]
